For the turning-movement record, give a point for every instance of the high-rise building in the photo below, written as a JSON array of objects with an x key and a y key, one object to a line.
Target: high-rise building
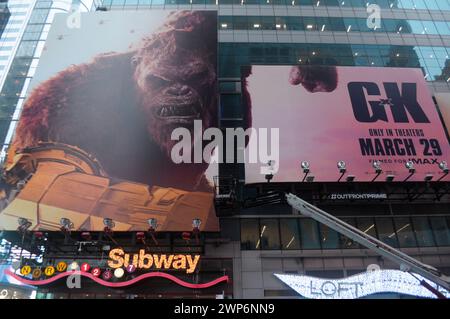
[
  {"x": 260, "y": 234},
  {"x": 4, "y": 15},
  {"x": 21, "y": 45}
]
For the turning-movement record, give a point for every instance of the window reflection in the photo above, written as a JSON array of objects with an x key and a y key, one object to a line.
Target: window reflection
[
  {"x": 305, "y": 233},
  {"x": 269, "y": 237},
  {"x": 405, "y": 232},
  {"x": 290, "y": 237},
  {"x": 329, "y": 238},
  {"x": 423, "y": 231},
  {"x": 321, "y": 24},
  {"x": 441, "y": 230},
  {"x": 249, "y": 234},
  {"x": 386, "y": 232},
  {"x": 310, "y": 233},
  {"x": 367, "y": 225},
  {"x": 345, "y": 241}
]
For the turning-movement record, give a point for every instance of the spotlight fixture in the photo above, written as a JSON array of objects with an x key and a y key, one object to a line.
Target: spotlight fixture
[
  {"x": 140, "y": 236},
  {"x": 342, "y": 167},
  {"x": 305, "y": 167},
  {"x": 66, "y": 224},
  {"x": 444, "y": 167},
  {"x": 269, "y": 176},
  {"x": 86, "y": 235},
  {"x": 109, "y": 225},
  {"x": 377, "y": 166},
  {"x": 390, "y": 178},
  {"x": 108, "y": 222},
  {"x": 38, "y": 235},
  {"x": 186, "y": 235},
  {"x": 428, "y": 177},
  {"x": 152, "y": 223},
  {"x": 24, "y": 224},
  {"x": 410, "y": 166},
  {"x": 350, "y": 178},
  {"x": 196, "y": 222}
]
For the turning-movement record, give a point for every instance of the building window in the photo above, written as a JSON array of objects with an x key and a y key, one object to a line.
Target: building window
[
  {"x": 290, "y": 236},
  {"x": 310, "y": 233},
  {"x": 345, "y": 241},
  {"x": 405, "y": 233},
  {"x": 269, "y": 234},
  {"x": 440, "y": 230},
  {"x": 367, "y": 226},
  {"x": 249, "y": 234},
  {"x": 423, "y": 231},
  {"x": 386, "y": 232},
  {"x": 329, "y": 238}
]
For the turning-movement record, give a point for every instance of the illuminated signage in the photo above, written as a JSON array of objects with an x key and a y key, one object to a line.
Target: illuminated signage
[
  {"x": 360, "y": 285},
  {"x": 359, "y": 196},
  {"x": 25, "y": 270},
  {"x": 142, "y": 260},
  {"x": 357, "y": 115},
  {"x": 49, "y": 271},
  {"x": 37, "y": 273},
  {"x": 120, "y": 266},
  {"x": 61, "y": 266}
]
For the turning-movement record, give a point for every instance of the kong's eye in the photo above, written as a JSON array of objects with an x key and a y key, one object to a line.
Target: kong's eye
[
  {"x": 156, "y": 81},
  {"x": 135, "y": 60}
]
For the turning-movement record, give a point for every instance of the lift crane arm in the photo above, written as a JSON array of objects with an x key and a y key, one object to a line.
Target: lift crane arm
[{"x": 407, "y": 263}]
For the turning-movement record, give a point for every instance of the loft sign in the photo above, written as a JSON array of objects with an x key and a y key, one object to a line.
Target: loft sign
[
  {"x": 142, "y": 260},
  {"x": 334, "y": 289},
  {"x": 361, "y": 285}
]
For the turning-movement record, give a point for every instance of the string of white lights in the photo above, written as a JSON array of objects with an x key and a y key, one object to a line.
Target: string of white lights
[{"x": 360, "y": 285}]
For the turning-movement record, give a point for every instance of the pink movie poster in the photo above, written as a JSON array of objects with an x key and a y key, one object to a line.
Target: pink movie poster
[{"x": 358, "y": 115}]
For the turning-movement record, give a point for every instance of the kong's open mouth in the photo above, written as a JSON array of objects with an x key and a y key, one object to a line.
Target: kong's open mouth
[{"x": 179, "y": 112}]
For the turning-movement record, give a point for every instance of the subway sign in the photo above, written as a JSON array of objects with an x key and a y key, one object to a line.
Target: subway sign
[
  {"x": 142, "y": 260},
  {"x": 120, "y": 270}
]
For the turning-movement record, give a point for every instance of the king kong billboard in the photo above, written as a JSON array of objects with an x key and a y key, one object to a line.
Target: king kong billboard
[
  {"x": 94, "y": 136},
  {"x": 379, "y": 123}
]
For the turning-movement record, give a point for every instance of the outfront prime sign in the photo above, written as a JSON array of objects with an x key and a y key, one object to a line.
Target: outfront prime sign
[{"x": 360, "y": 285}]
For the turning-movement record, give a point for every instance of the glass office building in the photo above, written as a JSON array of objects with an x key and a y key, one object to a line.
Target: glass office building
[
  {"x": 265, "y": 235},
  {"x": 21, "y": 46}
]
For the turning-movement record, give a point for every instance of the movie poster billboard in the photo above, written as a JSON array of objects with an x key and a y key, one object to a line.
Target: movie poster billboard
[
  {"x": 93, "y": 143},
  {"x": 443, "y": 102},
  {"x": 365, "y": 117}
]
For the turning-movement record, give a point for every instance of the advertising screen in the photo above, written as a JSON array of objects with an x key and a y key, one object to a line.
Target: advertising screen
[
  {"x": 373, "y": 121},
  {"x": 93, "y": 144},
  {"x": 443, "y": 102}
]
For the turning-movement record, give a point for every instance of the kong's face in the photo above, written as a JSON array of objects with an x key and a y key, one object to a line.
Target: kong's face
[
  {"x": 175, "y": 91},
  {"x": 174, "y": 94}
]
